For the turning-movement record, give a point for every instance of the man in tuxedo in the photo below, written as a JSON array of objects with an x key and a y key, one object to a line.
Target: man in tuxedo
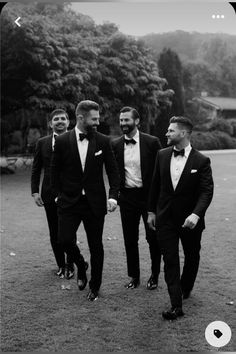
[
  {"x": 77, "y": 179},
  {"x": 59, "y": 122},
  {"x": 180, "y": 193},
  {"x": 135, "y": 153}
]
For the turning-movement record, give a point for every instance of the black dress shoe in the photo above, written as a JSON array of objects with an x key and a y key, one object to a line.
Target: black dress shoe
[
  {"x": 186, "y": 294},
  {"x": 82, "y": 282},
  {"x": 173, "y": 313},
  {"x": 134, "y": 283},
  {"x": 69, "y": 271},
  {"x": 152, "y": 283},
  {"x": 92, "y": 295},
  {"x": 61, "y": 272}
]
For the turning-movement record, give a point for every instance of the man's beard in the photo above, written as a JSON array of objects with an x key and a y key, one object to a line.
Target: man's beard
[
  {"x": 128, "y": 129},
  {"x": 91, "y": 129}
]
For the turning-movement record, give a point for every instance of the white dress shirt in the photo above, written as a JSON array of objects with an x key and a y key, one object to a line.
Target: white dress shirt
[
  {"x": 177, "y": 165},
  {"x": 53, "y": 140},
  {"x": 133, "y": 177},
  {"x": 82, "y": 147}
]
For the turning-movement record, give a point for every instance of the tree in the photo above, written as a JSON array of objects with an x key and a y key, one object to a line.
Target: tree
[
  {"x": 59, "y": 58},
  {"x": 171, "y": 68}
]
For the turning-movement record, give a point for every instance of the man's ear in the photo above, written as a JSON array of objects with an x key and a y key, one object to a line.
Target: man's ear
[
  {"x": 79, "y": 117},
  {"x": 50, "y": 124},
  {"x": 137, "y": 122}
]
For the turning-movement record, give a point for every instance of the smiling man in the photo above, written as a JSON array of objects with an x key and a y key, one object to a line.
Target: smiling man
[
  {"x": 77, "y": 179},
  {"x": 180, "y": 193},
  {"x": 59, "y": 122},
  {"x": 135, "y": 153}
]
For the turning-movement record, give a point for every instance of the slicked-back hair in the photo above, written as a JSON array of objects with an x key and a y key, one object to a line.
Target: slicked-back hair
[
  {"x": 135, "y": 114},
  {"x": 56, "y": 112},
  {"x": 84, "y": 107},
  {"x": 183, "y": 122}
]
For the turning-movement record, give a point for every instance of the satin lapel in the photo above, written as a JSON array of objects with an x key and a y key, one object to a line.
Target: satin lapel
[
  {"x": 48, "y": 146},
  {"x": 90, "y": 154},
  {"x": 74, "y": 149},
  {"x": 186, "y": 171},
  {"x": 121, "y": 153},
  {"x": 167, "y": 174},
  {"x": 143, "y": 161}
]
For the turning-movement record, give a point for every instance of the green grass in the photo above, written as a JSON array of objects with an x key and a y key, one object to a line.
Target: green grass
[{"x": 37, "y": 315}]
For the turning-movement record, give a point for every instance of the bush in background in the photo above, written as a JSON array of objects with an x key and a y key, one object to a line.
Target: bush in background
[
  {"x": 221, "y": 125},
  {"x": 213, "y": 140}
]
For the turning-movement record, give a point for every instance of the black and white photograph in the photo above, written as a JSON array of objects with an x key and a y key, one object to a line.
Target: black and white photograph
[{"x": 118, "y": 176}]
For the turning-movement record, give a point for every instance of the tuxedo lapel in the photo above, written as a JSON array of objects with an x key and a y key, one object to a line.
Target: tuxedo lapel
[
  {"x": 143, "y": 160},
  {"x": 90, "y": 154},
  {"x": 74, "y": 149},
  {"x": 48, "y": 145},
  {"x": 186, "y": 171},
  {"x": 120, "y": 159},
  {"x": 167, "y": 174}
]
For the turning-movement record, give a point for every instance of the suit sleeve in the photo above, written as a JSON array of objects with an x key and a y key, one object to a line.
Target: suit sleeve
[
  {"x": 155, "y": 187},
  {"x": 55, "y": 169},
  {"x": 158, "y": 144},
  {"x": 36, "y": 169},
  {"x": 112, "y": 171},
  {"x": 206, "y": 186}
]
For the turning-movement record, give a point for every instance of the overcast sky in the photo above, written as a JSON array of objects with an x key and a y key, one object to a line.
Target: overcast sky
[{"x": 139, "y": 18}]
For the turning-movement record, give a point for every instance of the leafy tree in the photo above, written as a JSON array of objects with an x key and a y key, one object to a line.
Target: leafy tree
[
  {"x": 58, "y": 58},
  {"x": 171, "y": 68}
]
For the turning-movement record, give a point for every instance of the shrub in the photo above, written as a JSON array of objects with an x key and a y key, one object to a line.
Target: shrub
[
  {"x": 221, "y": 125},
  {"x": 225, "y": 140},
  {"x": 232, "y": 122},
  {"x": 213, "y": 140}
]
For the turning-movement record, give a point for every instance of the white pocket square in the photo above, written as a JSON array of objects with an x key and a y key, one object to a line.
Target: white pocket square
[
  {"x": 193, "y": 171},
  {"x": 98, "y": 153}
]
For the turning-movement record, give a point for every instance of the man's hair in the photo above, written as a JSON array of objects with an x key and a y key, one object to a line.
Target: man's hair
[
  {"x": 56, "y": 112},
  {"x": 135, "y": 114},
  {"x": 84, "y": 107},
  {"x": 183, "y": 122}
]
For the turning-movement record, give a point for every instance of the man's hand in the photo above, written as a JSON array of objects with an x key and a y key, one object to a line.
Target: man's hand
[
  {"x": 37, "y": 199},
  {"x": 191, "y": 221},
  {"x": 111, "y": 204},
  {"x": 152, "y": 221}
]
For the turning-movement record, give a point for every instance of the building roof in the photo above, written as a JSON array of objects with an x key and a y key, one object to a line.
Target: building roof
[{"x": 223, "y": 103}]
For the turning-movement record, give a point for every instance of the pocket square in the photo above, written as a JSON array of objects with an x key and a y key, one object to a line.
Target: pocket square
[
  {"x": 193, "y": 171},
  {"x": 98, "y": 153}
]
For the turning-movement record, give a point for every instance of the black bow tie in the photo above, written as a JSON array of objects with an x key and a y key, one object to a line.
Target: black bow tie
[
  {"x": 130, "y": 141},
  {"x": 178, "y": 152},
  {"x": 83, "y": 136}
]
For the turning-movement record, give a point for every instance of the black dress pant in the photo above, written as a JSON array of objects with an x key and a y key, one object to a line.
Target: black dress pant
[
  {"x": 69, "y": 221},
  {"x": 168, "y": 237},
  {"x": 191, "y": 243},
  {"x": 132, "y": 208},
  {"x": 52, "y": 219}
]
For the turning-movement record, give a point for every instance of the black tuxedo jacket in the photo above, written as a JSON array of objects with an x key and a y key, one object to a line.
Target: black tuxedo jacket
[
  {"x": 68, "y": 179},
  {"x": 149, "y": 145},
  {"x": 193, "y": 192},
  {"x": 42, "y": 160}
]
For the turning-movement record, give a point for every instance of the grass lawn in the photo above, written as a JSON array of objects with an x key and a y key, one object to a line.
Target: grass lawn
[{"x": 38, "y": 315}]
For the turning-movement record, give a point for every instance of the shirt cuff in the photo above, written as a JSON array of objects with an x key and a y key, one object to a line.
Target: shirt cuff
[{"x": 113, "y": 200}]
